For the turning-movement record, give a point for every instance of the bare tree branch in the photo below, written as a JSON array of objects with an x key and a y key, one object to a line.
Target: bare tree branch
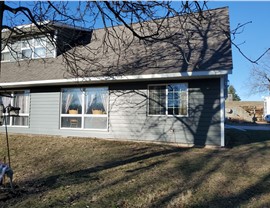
[
  {"x": 246, "y": 57},
  {"x": 259, "y": 81}
]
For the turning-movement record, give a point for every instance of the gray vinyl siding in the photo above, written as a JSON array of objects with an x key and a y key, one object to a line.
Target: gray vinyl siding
[
  {"x": 128, "y": 115},
  {"x": 44, "y": 114},
  {"x": 129, "y": 119}
]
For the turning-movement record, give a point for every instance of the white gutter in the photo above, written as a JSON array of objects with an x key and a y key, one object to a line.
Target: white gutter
[{"x": 104, "y": 79}]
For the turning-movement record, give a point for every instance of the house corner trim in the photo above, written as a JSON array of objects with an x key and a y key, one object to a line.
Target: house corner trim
[{"x": 222, "y": 111}]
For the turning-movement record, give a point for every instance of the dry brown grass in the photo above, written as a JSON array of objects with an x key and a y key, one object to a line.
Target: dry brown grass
[{"x": 81, "y": 172}]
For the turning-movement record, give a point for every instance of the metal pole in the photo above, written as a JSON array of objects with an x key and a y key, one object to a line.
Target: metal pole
[
  {"x": 2, "y": 5},
  {"x": 7, "y": 140}
]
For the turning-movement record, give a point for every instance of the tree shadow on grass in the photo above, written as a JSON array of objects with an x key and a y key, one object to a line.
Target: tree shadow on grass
[
  {"x": 30, "y": 188},
  {"x": 186, "y": 168},
  {"x": 235, "y": 200}
]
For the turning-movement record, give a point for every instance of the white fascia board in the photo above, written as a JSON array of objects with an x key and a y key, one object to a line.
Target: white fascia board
[
  {"x": 28, "y": 25},
  {"x": 84, "y": 80},
  {"x": 54, "y": 23}
]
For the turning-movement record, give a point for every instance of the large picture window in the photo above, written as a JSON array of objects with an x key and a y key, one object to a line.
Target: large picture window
[
  {"x": 168, "y": 99},
  {"x": 85, "y": 108},
  {"x": 18, "y": 99}
]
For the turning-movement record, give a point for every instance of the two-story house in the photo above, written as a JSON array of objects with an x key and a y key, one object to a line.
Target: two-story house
[{"x": 171, "y": 90}]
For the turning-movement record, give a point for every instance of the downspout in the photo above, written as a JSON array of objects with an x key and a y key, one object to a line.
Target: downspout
[
  {"x": 222, "y": 111},
  {"x": 55, "y": 41}
]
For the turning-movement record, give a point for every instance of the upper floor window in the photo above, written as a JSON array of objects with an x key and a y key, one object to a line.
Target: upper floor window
[
  {"x": 26, "y": 50},
  {"x": 5, "y": 54},
  {"x": 33, "y": 48},
  {"x": 39, "y": 47},
  {"x": 18, "y": 99},
  {"x": 168, "y": 99}
]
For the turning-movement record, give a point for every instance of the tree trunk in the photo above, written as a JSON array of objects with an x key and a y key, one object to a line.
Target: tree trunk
[{"x": 2, "y": 5}]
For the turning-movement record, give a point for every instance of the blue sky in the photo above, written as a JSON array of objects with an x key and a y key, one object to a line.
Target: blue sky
[{"x": 256, "y": 37}]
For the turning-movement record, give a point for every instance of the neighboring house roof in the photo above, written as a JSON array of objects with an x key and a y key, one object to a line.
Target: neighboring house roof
[{"x": 197, "y": 47}]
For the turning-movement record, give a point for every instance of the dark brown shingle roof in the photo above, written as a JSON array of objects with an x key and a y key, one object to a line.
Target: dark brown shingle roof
[{"x": 196, "y": 45}]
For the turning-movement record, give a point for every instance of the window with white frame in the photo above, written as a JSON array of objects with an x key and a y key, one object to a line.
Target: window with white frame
[
  {"x": 34, "y": 48},
  {"x": 39, "y": 48},
  {"x": 18, "y": 99},
  {"x": 85, "y": 108},
  {"x": 168, "y": 99},
  {"x": 26, "y": 49},
  {"x": 5, "y": 54}
]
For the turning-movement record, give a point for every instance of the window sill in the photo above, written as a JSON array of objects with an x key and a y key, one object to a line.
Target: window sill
[
  {"x": 81, "y": 129},
  {"x": 182, "y": 116},
  {"x": 16, "y": 126}
]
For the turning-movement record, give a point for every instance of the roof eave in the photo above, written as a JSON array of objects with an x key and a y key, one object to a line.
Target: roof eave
[{"x": 110, "y": 79}]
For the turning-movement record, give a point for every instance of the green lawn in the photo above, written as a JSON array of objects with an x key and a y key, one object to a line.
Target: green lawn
[{"x": 81, "y": 172}]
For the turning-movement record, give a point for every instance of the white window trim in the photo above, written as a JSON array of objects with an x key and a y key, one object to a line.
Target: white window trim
[
  {"x": 30, "y": 42},
  {"x": 82, "y": 115},
  {"x": 40, "y": 46},
  {"x": 20, "y": 114},
  {"x": 168, "y": 115},
  {"x": 6, "y": 50},
  {"x": 32, "y": 47}
]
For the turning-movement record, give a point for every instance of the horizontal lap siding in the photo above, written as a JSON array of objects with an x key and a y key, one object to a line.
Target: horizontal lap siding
[
  {"x": 44, "y": 113},
  {"x": 128, "y": 115},
  {"x": 206, "y": 96},
  {"x": 127, "y": 106},
  {"x": 44, "y": 117}
]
